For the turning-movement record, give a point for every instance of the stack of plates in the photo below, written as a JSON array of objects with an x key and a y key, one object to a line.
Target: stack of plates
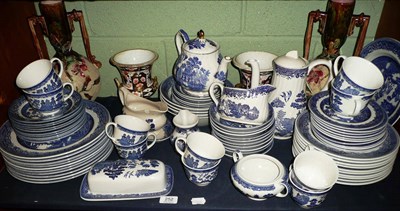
[
  {"x": 364, "y": 132},
  {"x": 37, "y": 132},
  {"x": 73, "y": 158},
  {"x": 177, "y": 99},
  {"x": 249, "y": 139},
  {"x": 362, "y": 157}
]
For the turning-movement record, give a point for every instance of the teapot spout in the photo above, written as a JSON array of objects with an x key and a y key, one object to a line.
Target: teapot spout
[{"x": 221, "y": 75}]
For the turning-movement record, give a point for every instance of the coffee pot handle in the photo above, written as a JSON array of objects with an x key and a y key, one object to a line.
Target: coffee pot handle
[{"x": 180, "y": 37}]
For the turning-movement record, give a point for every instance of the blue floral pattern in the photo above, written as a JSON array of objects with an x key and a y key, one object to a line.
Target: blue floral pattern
[
  {"x": 191, "y": 73},
  {"x": 126, "y": 168},
  {"x": 238, "y": 110}
]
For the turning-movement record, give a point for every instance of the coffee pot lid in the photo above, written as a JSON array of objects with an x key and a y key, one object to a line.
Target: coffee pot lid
[
  {"x": 200, "y": 45},
  {"x": 291, "y": 60}
]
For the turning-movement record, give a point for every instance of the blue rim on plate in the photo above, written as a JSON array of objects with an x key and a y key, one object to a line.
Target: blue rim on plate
[
  {"x": 85, "y": 193},
  {"x": 20, "y": 110},
  {"x": 370, "y": 117},
  {"x": 9, "y": 143},
  {"x": 390, "y": 145},
  {"x": 385, "y": 54}
]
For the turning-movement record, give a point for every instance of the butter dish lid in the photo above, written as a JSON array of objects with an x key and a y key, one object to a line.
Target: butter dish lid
[{"x": 127, "y": 180}]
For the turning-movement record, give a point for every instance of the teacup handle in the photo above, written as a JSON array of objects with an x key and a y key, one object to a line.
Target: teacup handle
[
  {"x": 106, "y": 128},
  {"x": 177, "y": 145},
  {"x": 336, "y": 69},
  {"x": 71, "y": 92},
  {"x": 310, "y": 147},
  {"x": 152, "y": 142},
  {"x": 152, "y": 134},
  {"x": 285, "y": 191},
  {"x": 237, "y": 155},
  {"x": 61, "y": 70},
  {"x": 357, "y": 107},
  {"x": 212, "y": 93}
]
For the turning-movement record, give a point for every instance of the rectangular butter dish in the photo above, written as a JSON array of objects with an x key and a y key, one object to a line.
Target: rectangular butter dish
[{"x": 127, "y": 180}]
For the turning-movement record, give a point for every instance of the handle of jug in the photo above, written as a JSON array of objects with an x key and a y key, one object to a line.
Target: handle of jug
[{"x": 212, "y": 92}]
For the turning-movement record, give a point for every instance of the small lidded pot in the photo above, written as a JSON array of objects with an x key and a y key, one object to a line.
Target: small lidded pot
[{"x": 259, "y": 176}]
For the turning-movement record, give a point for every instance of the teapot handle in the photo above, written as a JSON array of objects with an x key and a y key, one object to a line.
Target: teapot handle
[
  {"x": 180, "y": 37},
  {"x": 335, "y": 64}
]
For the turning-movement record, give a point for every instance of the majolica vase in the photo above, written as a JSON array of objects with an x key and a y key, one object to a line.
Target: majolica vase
[{"x": 81, "y": 71}]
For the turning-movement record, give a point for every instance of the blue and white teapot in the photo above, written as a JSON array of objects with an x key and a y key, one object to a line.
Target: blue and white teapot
[{"x": 199, "y": 63}]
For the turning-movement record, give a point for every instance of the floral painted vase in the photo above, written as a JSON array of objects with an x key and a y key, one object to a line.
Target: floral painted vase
[{"x": 82, "y": 72}]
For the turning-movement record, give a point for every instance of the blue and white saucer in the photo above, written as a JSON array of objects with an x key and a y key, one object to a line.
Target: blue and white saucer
[
  {"x": 21, "y": 111},
  {"x": 10, "y": 146},
  {"x": 370, "y": 117},
  {"x": 388, "y": 146},
  {"x": 68, "y": 159}
]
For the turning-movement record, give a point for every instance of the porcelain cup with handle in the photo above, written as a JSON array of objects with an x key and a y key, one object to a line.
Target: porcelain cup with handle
[
  {"x": 128, "y": 130},
  {"x": 356, "y": 76}
]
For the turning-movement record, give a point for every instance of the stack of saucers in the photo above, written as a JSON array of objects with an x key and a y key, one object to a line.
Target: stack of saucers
[
  {"x": 364, "y": 147},
  {"x": 45, "y": 150},
  {"x": 177, "y": 99},
  {"x": 249, "y": 139}
]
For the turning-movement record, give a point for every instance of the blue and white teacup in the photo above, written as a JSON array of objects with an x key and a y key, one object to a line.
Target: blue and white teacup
[
  {"x": 135, "y": 151},
  {"x": 200, "y": 176},
  {"x": 201, "y": 150},
  {"x": 305, "y": 197},
  {"x": 128, "y": 130},
  {"x": 346, "y": 104},
  {"x": 50, "y": 103},
  {"x": 39, "y": 77},
  {"x": 356, "y": 76}
]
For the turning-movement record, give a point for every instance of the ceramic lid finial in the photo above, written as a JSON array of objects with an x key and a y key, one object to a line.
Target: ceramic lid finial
[{"x": 200, "y": 34}]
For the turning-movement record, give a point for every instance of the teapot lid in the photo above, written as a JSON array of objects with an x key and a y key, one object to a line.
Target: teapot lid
[
  {"x": 291, "y": 60},
  {"x": 200, "y": 45}
]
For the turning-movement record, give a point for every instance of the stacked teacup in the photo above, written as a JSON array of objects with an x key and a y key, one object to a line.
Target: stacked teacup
[
  {"x": 311, "y": 176},
  {"x": 200, "y": 155},
  {"x": 354, "y": 85},
  {"x": 130, "y": 136},
  {"x": 43, "y": 87}
]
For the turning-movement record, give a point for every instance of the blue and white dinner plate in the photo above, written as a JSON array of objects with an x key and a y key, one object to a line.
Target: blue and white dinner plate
[
  {"x": 86, "y": 195},
  {"x": 385, "y": 54},
  {"x": 355, "y": 167},
  {"x": 60, "y": 177},
  {"x": 389, "y": 146},
  {"x": 10, "y": 146},
  {"x": 370, "y": 117}
]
